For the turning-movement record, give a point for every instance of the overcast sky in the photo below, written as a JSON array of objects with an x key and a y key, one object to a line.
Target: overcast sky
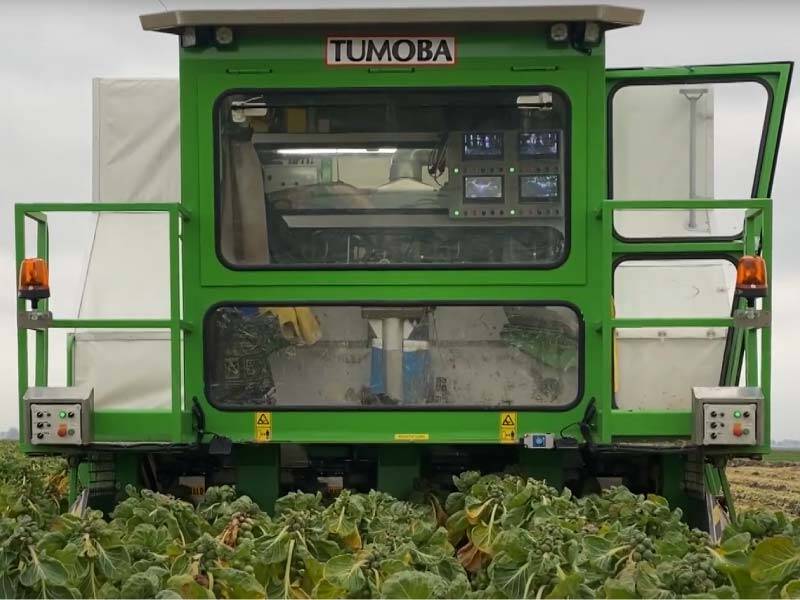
[{"x": 51, "y": 50}]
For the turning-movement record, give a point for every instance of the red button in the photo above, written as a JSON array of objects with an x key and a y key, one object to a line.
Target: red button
[
  {"x": 737, "y": 429},
  {"x": 62, "y": 430}
]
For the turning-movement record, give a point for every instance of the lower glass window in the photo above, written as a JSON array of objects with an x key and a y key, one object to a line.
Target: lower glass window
[{"x": 363, "y": 357}]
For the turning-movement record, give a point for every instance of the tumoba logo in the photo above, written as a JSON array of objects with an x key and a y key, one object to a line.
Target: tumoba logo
[{"x": 390, "y": 51}]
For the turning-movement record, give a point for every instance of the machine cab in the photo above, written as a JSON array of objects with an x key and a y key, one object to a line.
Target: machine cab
[{"x": 413, "y": 241}]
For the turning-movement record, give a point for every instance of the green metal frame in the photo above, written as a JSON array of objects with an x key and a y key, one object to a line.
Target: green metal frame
[
  {"x": 292, "y": 61},
  {"x": 140, "y": 426}
]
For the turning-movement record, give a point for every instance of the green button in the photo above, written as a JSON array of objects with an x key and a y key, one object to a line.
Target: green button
[
  {"x": 71, "y": 432},
  {"x": 62, "y": 414},
  {"x": 737, "y": 413}
]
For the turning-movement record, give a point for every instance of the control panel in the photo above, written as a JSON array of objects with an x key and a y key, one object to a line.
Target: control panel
[
  {"x": 729, "y": 424},
  {"x": 56, "y": 424},
  {"x": 728, "y": 416},
  {"x": 58, "y": 416},
  {"x": 508, "y": 174}
]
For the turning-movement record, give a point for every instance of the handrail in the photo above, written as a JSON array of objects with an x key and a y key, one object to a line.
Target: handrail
[
  {"x": 755, "y": 239},
  {"x": 177, "y": 214}
]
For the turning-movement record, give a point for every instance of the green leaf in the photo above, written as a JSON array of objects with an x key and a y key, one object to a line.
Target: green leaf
[
  {"x": 327, "y": 590},
  {"x": 791, "y": 589},
  {"x": 737, "y": 543},
  {"x": 569, "y": 586},
  {"x": 774, "y": 560},
  {"x": 345, "y": 571},
  {"x": 140, "y": 585},
  {"x": 112, "y": 560},
  {"x": 513, "y": 578},
  {"x": 647, "y": 583},
  {"x": 43, "y": 571},
  {"x": 456, "y": 526},
  {"x": 413, "y": 584},
  {"x": 8, "y": 588},
  {"x": 672, "y": 544},
  {"x": 233, "y": 583},
  {"x": 454, "y": 502},
  {"x": 185, "y": 586}
]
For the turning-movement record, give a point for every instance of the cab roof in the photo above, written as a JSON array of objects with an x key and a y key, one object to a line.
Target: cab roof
[{"x": 608, "y": 17}]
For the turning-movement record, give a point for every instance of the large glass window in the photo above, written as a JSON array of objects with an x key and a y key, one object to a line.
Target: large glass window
[
  {"x": 362, "y": 357},
  {"x": 685, "y": 140},
  {"x": 366, "y": 178}
]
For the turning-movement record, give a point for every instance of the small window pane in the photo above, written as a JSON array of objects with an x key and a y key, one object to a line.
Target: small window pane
[
  {"x": 382, "y": 357},
  {"x": 674, "y": 141},
  {"x": 372, "y": 177},
  {"x": 656, "y": 368}
]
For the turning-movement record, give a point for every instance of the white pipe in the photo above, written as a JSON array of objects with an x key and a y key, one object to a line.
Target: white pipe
[{"x": 393, "y": 357}]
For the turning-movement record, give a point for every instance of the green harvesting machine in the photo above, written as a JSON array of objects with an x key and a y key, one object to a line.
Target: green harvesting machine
[{"x": 413, "y": 242}]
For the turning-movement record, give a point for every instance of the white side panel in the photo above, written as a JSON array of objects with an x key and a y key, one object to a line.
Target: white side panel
[
  {"x": 657, "y": 367},
  {"x": 656, "y": 374},
  {"x": 136, "y": 158},
  {"x": 128, "y": 271},
  {"x": 136, "y": 140},
  {"x": 128, "y": 370}
]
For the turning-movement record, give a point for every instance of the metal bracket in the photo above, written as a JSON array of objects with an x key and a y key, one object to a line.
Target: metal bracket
[
  {"x": 34, "y": 319},
  {"x": 752, "y": 318}
]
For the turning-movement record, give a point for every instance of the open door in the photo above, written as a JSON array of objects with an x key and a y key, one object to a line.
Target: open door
[{"x": 682, "y": 133}]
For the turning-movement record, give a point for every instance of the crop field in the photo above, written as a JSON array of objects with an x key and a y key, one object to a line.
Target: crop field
[
  {"x": 772, "y": 484},
  {"x": 494, "y": 536}
]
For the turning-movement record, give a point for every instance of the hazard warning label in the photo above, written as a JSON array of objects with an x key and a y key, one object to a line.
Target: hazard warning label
[
  {"x": 263, "y": 423},
  {"x": 508, "y": 428}
]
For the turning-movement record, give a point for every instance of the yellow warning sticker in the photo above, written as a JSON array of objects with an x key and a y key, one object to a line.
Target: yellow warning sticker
[
  {"x": 508, "y": 428},
  {"x": 263, "y": 423},
  {"x": 411, "y": 437}
]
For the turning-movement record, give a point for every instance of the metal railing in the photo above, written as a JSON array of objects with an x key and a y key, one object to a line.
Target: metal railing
[
  {"x": 172, "y": 422},
  {"x": 756, "y": 238}
]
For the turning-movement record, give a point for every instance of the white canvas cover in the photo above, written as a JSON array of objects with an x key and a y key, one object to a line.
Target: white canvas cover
[{"x": 136, "y": 158}]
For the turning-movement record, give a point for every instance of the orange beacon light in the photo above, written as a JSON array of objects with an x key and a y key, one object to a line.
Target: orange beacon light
[
  {"x": 751, "y": 277},
  {"x": 34, "y": 280}
]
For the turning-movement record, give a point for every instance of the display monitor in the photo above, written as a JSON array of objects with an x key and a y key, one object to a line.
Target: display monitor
[
  {"x": 538, "y": 187},
  {"x": 483, "y": 189},
  {"x": 483, "y": 144},
  {"x": 534, "y": 144}
]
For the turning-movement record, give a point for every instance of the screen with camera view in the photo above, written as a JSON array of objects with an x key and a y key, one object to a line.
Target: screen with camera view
[
  {"x": 483, "y": 188},
  {"x": 539, "y": 187},
  {"x": 483, "y": 145},
  {"x": 539, "y": 143}
]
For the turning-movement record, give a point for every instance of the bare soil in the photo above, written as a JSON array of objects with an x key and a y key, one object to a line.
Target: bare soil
[{"x": 766, "y": 486}]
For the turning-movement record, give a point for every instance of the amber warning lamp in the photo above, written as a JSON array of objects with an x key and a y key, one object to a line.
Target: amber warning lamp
[
  {"x": 34, "y": 280},
  {"x": 751, "y": 277}
]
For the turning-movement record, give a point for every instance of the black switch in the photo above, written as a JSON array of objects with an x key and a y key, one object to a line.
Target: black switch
[
  {"x": 40, "y": 435},
  {"x": 713, "y": 413},
  {"x": 39, "y": 415},
  {"x": 746, "y": 414},
  {"x": 39, "y": 425},
  {"x": 70, "y": 414},
  {"x": 713, "y": 425},
  {"x": 713, "y": 436}
]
